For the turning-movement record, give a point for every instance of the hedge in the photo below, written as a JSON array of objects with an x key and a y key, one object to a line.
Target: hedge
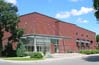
[
  {"x": 89, "y": 52},
  {"x": 38, "y": 55}
]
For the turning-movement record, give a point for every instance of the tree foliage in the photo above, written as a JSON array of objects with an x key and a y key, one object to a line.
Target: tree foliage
[
  {"x": 97, "y": 38},
  {"x": 8, "y": 22},
  {"x": 96, "y": 7}
]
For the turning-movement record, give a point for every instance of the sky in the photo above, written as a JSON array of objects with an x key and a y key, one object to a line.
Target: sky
[{"x": 79, "y": 12}]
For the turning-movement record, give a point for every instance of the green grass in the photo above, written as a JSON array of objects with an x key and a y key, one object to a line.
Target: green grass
[{"x": 21, "y": 59}]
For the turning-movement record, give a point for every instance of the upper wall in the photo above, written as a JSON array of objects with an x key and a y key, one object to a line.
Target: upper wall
[{"x": 36, "y": 23}]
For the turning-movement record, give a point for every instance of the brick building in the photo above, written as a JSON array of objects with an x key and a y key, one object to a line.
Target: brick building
[{"x": 47, "y": 34}]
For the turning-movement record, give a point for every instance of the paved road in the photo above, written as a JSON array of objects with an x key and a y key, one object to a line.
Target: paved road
[{"x": 90, "y": 60}]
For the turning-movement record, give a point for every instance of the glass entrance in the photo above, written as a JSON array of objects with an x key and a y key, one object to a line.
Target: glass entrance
[
  {"x": 43, "y": 45},
  {"x": 43, "y": 48}
]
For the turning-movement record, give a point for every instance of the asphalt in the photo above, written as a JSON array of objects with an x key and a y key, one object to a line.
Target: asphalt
[{"x": 69, "y": 60}]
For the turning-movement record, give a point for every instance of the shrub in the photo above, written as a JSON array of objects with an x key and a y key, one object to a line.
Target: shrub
[
  {"x": 20, "y": 51},
  {"x": 97, "y": 48},
  {"x": 28, "y": 53},
  {"x": 36, "y": 55},
  {"x": 9, "y": 52},
  {"x": 89, "y": 51}
]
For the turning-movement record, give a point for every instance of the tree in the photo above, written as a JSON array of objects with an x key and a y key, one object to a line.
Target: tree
[
  {"x": 97, "y": 38},
  {"x": 8, "y": 22},
  {"x": 96, "y": 7}
]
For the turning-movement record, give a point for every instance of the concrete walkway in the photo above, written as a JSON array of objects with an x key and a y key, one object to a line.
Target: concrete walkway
[{"x": 58, "y": 56}]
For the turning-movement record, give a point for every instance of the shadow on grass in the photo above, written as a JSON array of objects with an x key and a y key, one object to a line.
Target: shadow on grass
[{"x": 92, "y": 58}]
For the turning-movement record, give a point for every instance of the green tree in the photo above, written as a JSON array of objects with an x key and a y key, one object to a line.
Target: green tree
[
  {"x": 96, "y": 7},
  {"x": 8, "y": 22},
  {"x": 97, "y": 38}
]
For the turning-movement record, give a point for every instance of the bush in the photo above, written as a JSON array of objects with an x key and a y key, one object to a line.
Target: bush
[
  {"x": 28, "y": 53},
  {"x": 89, "y": 51},
  {"x": 20, "y": 51},
  {"x": 36, "y": 55},
  {"x": 97, "y": 48},
  {"x": 3, "y": 54},
  {"x": 9, "y": 52}
]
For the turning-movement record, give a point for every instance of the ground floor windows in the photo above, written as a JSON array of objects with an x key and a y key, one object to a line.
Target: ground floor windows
[
  {"x": 29, "y": 48},
  {"x": 51, "y": 44},
  {"x": 41, "y": 44},
  {"x": 83, "y": 46},
  {"x": 40, "y": 48},
  {"x": 43, "y": 48},
  {"x": 87, "y": 45}
]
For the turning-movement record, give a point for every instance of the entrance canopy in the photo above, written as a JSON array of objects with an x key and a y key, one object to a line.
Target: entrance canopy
[
  {"x": 41, "y": 42},
  {"x": 45, "y": 36}
]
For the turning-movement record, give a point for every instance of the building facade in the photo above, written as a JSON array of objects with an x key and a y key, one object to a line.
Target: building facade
[{"x": 46, "y": 34}]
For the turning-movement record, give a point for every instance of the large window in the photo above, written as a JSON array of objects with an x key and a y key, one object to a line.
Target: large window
[
  {"x": 42, "y": 44},
  {"x": 29, "y": 48}
]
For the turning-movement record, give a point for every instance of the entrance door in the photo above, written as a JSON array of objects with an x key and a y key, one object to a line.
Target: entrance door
[
  {"x": 42, "y": 48},
  {"x": 56, "y": 48}
]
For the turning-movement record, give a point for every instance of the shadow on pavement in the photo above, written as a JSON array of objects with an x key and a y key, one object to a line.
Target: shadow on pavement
[{"x": 92, "y": 58}]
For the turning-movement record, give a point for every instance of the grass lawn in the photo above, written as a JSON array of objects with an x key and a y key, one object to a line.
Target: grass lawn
[{"x": 21, "y": 59}]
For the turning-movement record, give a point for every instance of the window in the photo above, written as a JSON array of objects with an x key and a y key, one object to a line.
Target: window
[
  {"x": 82, "y": 45},
  {"x": 87, "y": 45},
  {"x": 86, "y": 35},
  {"x": 77, "y": 38},
  {"x": 76, "y": 33},
  {"x": 29, "y": 48},
  {"x": 91, "y": 41},
  {"x": 77, "y": 44},
  {"x": 54, "y": 41},
  {"x": 82, "y": 35}
]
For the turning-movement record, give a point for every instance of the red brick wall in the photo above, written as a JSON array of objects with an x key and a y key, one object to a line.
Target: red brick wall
[
  {"x": 5, "y": 38},
  {"x": 82, "y": 34}
]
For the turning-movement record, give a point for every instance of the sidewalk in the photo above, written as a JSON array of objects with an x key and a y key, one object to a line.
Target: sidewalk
[{"x": 58, "y": 56}]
